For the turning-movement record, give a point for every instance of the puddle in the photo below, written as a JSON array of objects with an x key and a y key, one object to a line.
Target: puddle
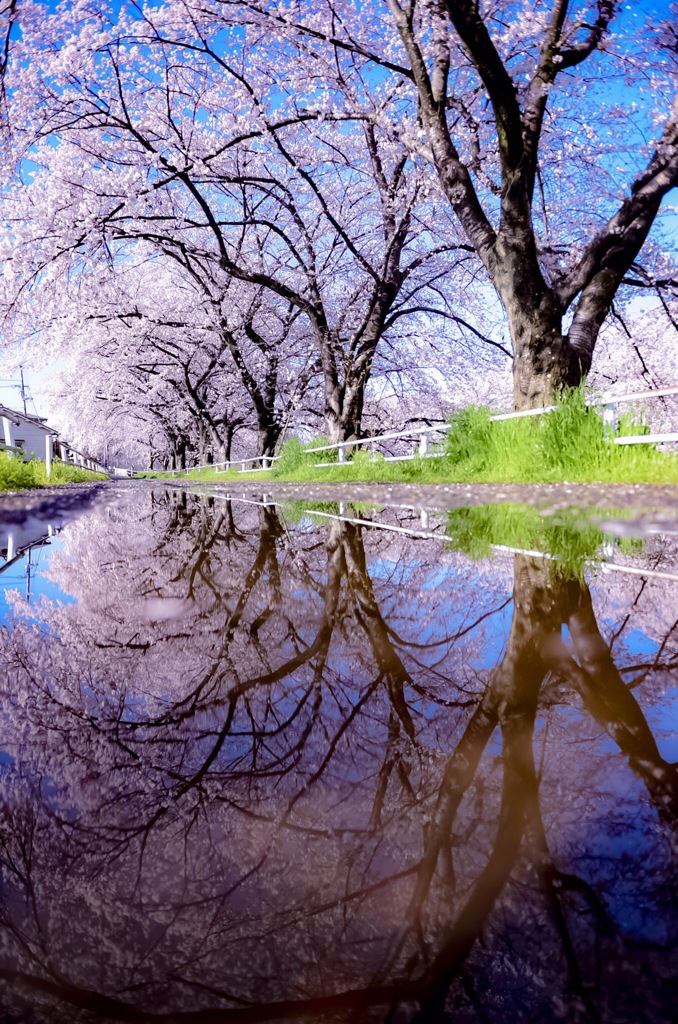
[{"x": 284, "y": 761}]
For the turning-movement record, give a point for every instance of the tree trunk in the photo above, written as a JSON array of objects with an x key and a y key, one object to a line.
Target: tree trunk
[
  {"x": 217, "y": 451},
  {"x": 268, "y": 432},
  {"x": 344, "y": 413},
  {"x": 544, "y": 361},
  {"x": 543, "y": 365},
  {"x": 228, "y": 440}
]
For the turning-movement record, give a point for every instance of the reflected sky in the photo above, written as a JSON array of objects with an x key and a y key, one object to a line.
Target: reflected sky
[{"x": 265, "y": 762}]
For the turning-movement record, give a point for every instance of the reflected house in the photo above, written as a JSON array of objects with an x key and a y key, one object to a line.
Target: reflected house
[{"x": 18, "y": 538}]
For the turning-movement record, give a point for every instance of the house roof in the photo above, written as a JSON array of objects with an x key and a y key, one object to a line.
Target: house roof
[{"x": 18, "y": 418}]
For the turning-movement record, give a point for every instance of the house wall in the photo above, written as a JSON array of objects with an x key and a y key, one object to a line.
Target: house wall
[{"x": 31, "y": 437}]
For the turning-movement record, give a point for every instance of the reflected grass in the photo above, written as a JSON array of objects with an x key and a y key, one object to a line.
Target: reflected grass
[
  {"x": 294, "y": 512},
  {"x": 570, "y": 537}
]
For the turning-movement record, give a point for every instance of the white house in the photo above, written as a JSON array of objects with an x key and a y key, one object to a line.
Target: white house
[
  {"x": 30, "y": 434},
  {"x": 31, "y": 437}
]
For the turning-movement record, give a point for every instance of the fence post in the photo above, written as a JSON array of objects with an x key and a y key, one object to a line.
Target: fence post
[
  {"x": 609, "y": 420},
  {"x": 48, "y": 455},
  {"x": 266, "y": 462},
  {"x": 8, "y": 432},
  {"x": 342, "y": 453},
  {"x": 424, "y": 519},
  {"x": 423, "y": 445}
]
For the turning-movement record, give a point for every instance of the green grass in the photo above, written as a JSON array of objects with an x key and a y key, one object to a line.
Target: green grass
[
  {"x": 294, "y": 459},
  {"x": 206, "y": 474},
  {"x": 567, "y": 445},
  {"x": 16, "y": 475}
]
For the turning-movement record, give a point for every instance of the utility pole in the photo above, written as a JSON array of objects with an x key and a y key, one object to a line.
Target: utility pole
[{"x": 23, "y": 389}]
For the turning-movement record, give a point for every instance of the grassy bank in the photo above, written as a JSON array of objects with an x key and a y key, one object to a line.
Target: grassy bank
[
  {"x": 567, "y": 445},
  {"x": 16, "y": 475}
]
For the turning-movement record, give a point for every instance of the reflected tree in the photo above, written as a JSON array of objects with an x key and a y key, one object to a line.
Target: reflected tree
[{"x": 257, "y": 771}]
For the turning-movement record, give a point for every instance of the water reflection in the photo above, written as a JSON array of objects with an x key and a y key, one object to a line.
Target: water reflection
[{"x": 264, "y": 770}]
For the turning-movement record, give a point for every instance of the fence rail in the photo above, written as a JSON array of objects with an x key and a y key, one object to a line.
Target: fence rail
[
  {"x": 265, "y": 461},
  {"x": 607, "y": 402},
  {"x": 71, "y": 455},
  {"x": 67, "y": 454},
  {"x": 647, "y": 439}
]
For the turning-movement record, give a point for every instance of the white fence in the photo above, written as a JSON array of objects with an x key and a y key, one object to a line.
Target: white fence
[
  {"x": 66, "y": 453},
  {"x": 69, "y": 454},
  {"x": 28, "y": 437},
  {"x": 422, "y": 436}
]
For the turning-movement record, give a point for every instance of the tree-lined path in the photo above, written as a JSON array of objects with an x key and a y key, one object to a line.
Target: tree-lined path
[{"x": 240, "y": 219}]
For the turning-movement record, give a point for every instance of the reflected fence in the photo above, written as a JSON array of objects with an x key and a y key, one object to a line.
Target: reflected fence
[
  {"x": 435, "y": 531},
  {"x": 418, "y": 439},
  {"x": 306, "y": 764}
]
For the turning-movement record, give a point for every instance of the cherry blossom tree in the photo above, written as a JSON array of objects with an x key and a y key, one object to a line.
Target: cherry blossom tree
[
  {"x": 161, "y": 337},
  {"x": 8, "y": 16},
  {"x": 535, "y": 119},
  {"x": 289, "y": 158},
  {"x": 329, "y": 214}
]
